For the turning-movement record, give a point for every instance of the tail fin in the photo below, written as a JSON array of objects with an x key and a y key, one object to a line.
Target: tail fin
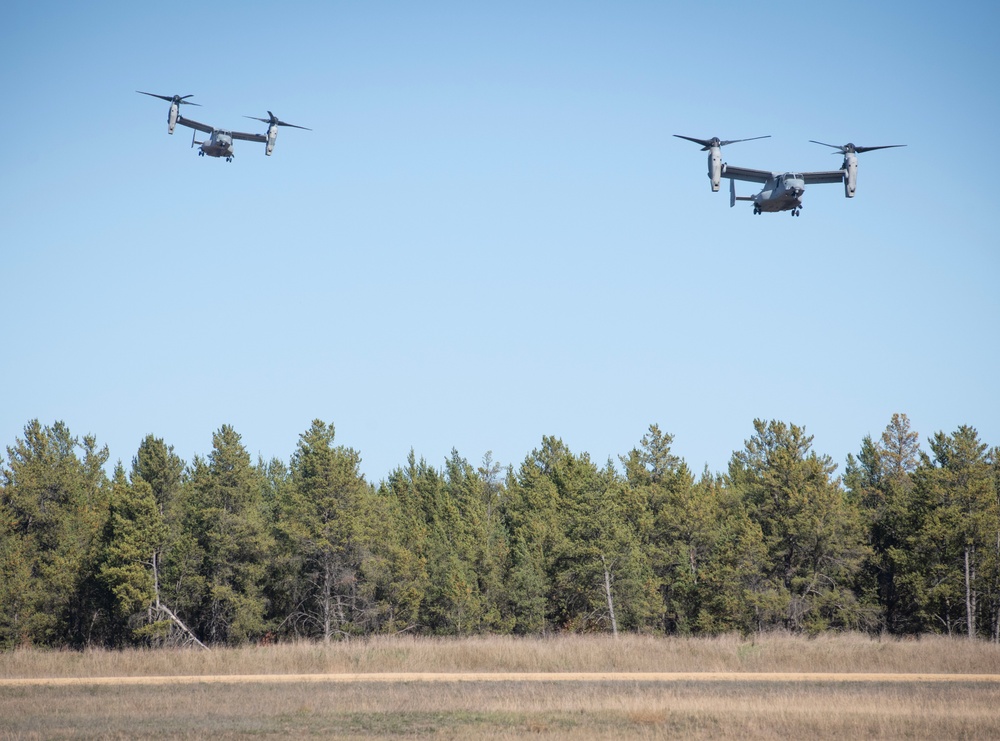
[{"x": 733, "y": 198}]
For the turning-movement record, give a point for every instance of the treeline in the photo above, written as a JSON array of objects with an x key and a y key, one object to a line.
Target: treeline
[{"x": 227, "y": 551}]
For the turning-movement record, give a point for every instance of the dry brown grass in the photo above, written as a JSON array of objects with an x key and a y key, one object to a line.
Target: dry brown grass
[
  {"x": 551, "y": 710},
  {"x": 569, "y": 653},
  {"x": 744, "y": 707}
]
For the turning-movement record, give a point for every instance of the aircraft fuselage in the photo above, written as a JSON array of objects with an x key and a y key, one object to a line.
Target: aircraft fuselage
[
  {"x": 219, "y": 144},
  {"x": 780, "y": 193}
]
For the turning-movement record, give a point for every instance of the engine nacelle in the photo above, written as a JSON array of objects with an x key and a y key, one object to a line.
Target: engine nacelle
[
  {"x": 172, "y": 118},
  {"x": 272, "y": 137},
  {"x": 850, "y": 168},
  {"x": 715, "y": 167}
]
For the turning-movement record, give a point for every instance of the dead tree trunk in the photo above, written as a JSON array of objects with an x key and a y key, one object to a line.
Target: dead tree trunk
[
  {"x": 607, "y": 593},
  {"x": 970, "y": 593},
  {"x": 162, "y": 609}
]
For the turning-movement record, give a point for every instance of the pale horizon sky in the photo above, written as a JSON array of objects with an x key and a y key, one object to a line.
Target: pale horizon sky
[{"x": 491, "y": 234}]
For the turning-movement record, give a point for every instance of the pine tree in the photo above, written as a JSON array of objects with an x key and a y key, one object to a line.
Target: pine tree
[
  {"x": 477, "y": 539},
  {"x": 52, "y": 508},
  {"x": 323, "y": 520},
  {"x": 880, "y": 482},
  {"x": 128, "y": 549},
  {"x": 156, "y": 463},
  {"x": 535, "y": 514},
  {"x": 218, "y": 558},
  {"x": 955, "y": 518},
  {"x": 813, "y": 533},
  {"x": 403, "y": 571}
]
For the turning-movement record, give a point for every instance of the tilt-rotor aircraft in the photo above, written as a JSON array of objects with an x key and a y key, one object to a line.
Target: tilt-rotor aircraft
[
  {"x": 781, "y": 191},
  {"x": 219, "y": 142}
]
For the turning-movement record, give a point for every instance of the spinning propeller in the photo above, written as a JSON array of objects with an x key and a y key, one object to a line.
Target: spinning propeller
[
  {"x": 852, "y": 149},
  {"x": 707, "y": 144},
  {"x": 179, "y": 99},
  {"x": 272, "y": 120}
]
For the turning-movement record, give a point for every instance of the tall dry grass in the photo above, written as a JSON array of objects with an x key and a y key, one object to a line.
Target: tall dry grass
[
  {"x": 778, "y": 652},
  {"x": 741, "y": 709},
  {"x": 549, "y": 710}
]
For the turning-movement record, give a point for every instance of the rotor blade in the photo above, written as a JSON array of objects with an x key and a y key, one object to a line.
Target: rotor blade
[
  {"x": 702, "y": 142},
  {"x": 884, "y": 146},
  {"x": 832, "y": 146},
  {"x": 752, "y": 138},
  {"x": 707, "y": 144},
  {"x": 277, "y": 121},
  {"x": 171, "y": 98},
  {"x": 168, "y": 98}
]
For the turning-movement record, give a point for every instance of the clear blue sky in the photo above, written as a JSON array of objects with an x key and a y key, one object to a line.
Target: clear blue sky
[{"x": 491, "y": 234}]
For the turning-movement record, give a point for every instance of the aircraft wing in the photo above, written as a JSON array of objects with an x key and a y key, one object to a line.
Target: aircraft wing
[
  {"x": 194, "y": 125},
  {"x": 745, "y": 173},
  {"x": 829, "y": 176},
  {"x": 248, "y": 137}
]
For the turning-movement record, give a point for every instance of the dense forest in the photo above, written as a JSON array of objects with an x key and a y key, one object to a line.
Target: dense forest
[{"x": 223, "y": 550}]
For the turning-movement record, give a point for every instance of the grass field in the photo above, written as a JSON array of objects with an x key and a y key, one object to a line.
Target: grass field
[{"x": 742, "y": 703}]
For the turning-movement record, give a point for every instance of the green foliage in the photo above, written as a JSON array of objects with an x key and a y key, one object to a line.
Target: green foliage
[
  {"x": 220, "y": 546},
  {"x": 52, "y": 507},
  {"x": 812, "y": 531},
  {"x": 952, "y": 536},
  {"x": 128, "y": 548},
  {"x": 158, "y": 465},
  {"x": 880, "y": 481},
  {"x": 226, "y": 552},
  {"x": 327, "y": 522}
]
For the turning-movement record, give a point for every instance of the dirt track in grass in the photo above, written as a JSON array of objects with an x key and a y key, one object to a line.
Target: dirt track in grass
[{"x": 459, "y": 677}]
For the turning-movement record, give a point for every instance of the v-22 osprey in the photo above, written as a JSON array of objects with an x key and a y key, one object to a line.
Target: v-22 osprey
[
  {"x": 219, "y": 142},
  {"x": 781, "y": 191}
]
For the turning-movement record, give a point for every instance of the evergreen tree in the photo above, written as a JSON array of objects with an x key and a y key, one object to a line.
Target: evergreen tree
[
  {"x": 952, "y": 534},
  {"x": 475, "y": 537},
  {"x": 453, "y": 550},
  {"x": 578, "y": 535},
  {"x": 218, "y": 558},
  {"x": 991, "y": 555},
  {"x": 156, "y": 463},
  {"x": 880, "y": 482},
  {"x": 323, "y": 521},
  {"x": 707, "y": 555},
  {"x": 733, "y": 591},
  {"x": 813, "y": 534},
  {"x": 606, "y": 562},
  {"x": 535, "y": 514},
  {"x": 404, "y": 580},
  {"x": 52, "y": 508},
  {"x": 129, "y": 547}
]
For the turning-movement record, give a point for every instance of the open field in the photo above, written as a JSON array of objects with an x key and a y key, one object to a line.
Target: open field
[
  {"x": 563, "y": 687},
  {"x": 777, "y": 652}
]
